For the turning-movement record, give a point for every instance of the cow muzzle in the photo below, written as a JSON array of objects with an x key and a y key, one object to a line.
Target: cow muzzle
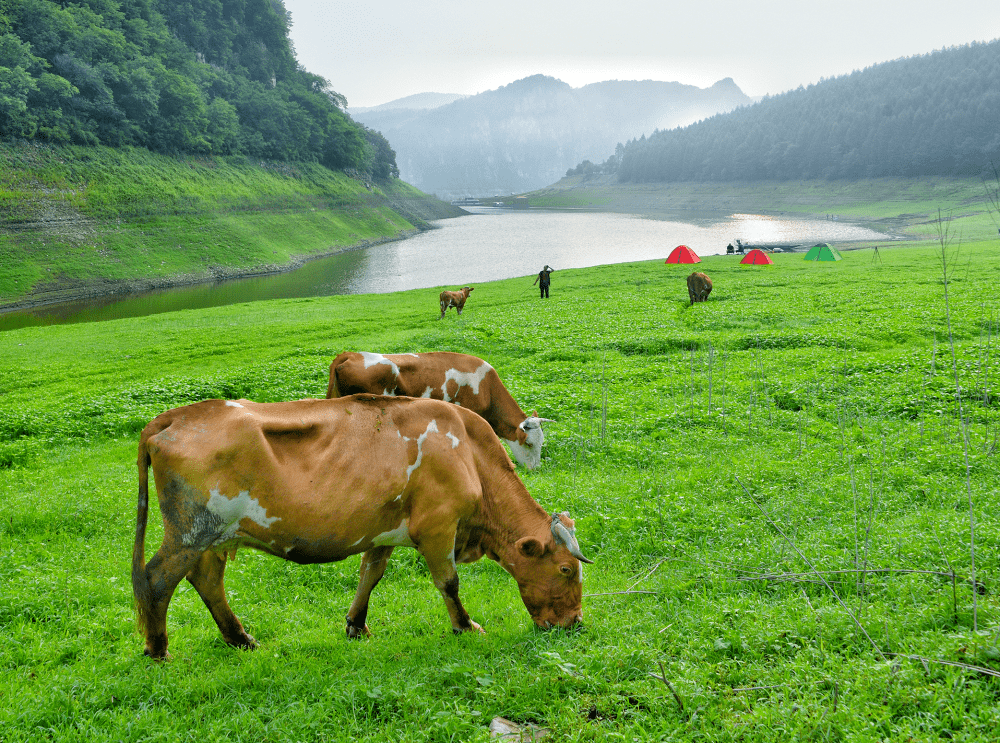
[{"x": 567, "y": 623}]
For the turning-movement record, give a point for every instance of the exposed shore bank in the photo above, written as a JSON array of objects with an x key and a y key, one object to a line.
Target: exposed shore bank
[
  {"x": 84, "y": 222},
  {"x": 905, "y": 206}
]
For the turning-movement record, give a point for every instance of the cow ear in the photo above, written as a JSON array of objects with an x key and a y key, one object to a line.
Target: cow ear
[
  {"x": 530, "y": 547},
  {"x": 534, "y": 413}
]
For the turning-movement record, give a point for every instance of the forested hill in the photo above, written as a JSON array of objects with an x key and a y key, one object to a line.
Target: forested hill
[
  {"x": 212, "y": 77},
  {"x": 931, "y": 115}
]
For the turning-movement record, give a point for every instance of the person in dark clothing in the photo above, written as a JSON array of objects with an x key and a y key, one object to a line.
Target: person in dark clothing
[{"x": 543, "y": 281}]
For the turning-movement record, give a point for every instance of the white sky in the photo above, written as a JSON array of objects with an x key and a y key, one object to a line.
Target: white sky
[{"x": 375, "y": 51}]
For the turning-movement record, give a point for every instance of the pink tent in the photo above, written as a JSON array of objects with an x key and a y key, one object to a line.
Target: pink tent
[
  {"x": 682, "y": 254},
  {"x": 756, "y": 257}
]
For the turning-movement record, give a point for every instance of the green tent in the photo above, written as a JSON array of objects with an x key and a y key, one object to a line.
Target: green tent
[{"x": 823, "y": 252}]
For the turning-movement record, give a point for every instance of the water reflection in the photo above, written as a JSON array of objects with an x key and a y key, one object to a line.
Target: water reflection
[{"x": 490, "y": 245}]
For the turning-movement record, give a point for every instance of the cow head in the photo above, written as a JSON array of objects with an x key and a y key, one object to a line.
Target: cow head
[
  {"x": 549, "y": 575},
  {"x": 527, "y": 448}
]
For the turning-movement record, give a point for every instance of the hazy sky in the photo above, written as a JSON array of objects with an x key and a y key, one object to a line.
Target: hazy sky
[{"x": 378, "y": 50}]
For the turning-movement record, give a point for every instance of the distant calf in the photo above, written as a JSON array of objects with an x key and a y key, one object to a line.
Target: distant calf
[
  {"x": 699, "y": 287},
  {"x": 454, "y": 299}
]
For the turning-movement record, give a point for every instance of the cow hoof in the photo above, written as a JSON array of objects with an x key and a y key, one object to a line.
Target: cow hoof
[
  {"x": 158, "y": 657},
  {"x": 244, "y": 643},
  {"x": 358, "y": 633},
  {"x": 473, "y": 627}
]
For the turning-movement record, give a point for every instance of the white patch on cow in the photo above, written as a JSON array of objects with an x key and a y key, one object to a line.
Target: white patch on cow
[
  {"x": 229, "y": 512},
  {"x": 371, "y": 359},
  {"x": 428, "y": 392},
  {"x": 288, "y": 549},
  {"x": 389, "y": 393},
  {"x": 233, "y": 404},
  {"x": 465, "y": 379},
  {"x": 454, "y": 439},
  {"x": 398, "y": 537},
  {"x": 431, "y": 427}
]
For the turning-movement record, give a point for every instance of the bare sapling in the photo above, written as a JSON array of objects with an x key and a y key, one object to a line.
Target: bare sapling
[
  {"x": 944, "y": 239},
  {"x": 992, "y": 190},
  {"x": 711, "y": 353}
]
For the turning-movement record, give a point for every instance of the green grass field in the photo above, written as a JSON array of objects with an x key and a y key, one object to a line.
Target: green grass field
[{"x": 847, "y": 405}]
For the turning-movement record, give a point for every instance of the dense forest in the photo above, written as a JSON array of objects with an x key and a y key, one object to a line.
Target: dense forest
[
  {"x": 215, "y": 77},
  {"x": 931, "y": 115}
]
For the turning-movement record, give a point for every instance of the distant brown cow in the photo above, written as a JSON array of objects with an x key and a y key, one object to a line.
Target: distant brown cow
[
  {"x": 699, "y": 287},
  {"x": 454, "y": 299},
  {"x": 316, "y": 481}
]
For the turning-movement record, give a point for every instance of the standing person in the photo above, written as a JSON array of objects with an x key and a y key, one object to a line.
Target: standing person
[{"x": 543, "y": 281}]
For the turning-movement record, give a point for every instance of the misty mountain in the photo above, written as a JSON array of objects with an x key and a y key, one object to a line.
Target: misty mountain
[
  {"x": 417, "y": 101},
  {"x": 526, "y": 134},
  {"x": 931, "y": 115}
]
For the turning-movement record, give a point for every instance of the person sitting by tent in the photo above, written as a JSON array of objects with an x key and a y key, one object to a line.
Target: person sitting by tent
[
  {"x": 543, "y": 281},
  {"x": 730, "y": 249}
]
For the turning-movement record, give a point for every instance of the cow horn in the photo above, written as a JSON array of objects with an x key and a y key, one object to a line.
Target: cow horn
[{"x": 567, "y": 537}]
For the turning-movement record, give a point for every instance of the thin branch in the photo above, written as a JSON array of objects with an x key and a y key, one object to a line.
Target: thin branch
[
  {"x": 943, "y": 237},
  {"x": 964, "y": 666},
  {"x": 980, "y": 588},
  {"x": 617, "y": 593},
  {"x": 813, "y": 568},
  {"x": 647, "y": 574},
  {"x": 663, "y": 677}
]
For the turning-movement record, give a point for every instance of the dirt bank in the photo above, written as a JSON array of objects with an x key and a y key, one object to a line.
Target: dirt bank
[{"x": 60, "y": 291}]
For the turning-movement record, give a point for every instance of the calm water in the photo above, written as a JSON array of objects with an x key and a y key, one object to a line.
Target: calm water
[{"x": 489, "y": 245}]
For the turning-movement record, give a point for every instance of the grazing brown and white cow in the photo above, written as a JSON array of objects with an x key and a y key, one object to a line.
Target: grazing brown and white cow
[
  {"x": 699, "y": 287},
  {"x": 316, "y": 481},
  {"x": 453, "y": 377},
  {"x": 454, "y": 299}
]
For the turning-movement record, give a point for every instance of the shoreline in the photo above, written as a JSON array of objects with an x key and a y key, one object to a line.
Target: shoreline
[{"x": 215, "y": 274}]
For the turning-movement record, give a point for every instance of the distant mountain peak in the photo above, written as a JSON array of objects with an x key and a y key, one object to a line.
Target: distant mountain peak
[
  {"x": 525, "y": 134},
  {"x": 416, "y": 102},
  {"x": 536, "y": 82}
]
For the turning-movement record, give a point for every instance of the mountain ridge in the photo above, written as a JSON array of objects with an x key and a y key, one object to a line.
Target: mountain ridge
[{"x": 524, "y": 135}]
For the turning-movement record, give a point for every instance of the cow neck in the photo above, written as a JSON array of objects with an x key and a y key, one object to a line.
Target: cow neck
[{"x": 508, "y": 514}]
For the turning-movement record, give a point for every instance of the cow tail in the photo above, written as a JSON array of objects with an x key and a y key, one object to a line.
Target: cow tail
[
  {"x": 333, "y": 389},
  {"x": 140, "y": 578}
]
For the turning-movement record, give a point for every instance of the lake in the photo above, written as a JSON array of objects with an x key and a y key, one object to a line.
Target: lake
[{"x": 490, "y": 244}]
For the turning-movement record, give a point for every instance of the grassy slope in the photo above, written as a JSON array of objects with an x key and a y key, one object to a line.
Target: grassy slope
[
  {"x": 78, "y": 220},
  {"x": 899, "y": 205},
  {"x": 824, "y": 390}
]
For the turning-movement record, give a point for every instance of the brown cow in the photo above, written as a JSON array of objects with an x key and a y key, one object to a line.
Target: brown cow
[
  {"x": 453, "y": 377},
  {"x": 699, "y": 287},
  {"x": 316, "y": 481},
  {"x": 454, "y": 299}
]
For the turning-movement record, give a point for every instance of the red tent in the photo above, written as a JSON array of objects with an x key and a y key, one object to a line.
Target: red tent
[
  {"x": 682, "y": 254},
  {"x": 756, "y": 257}
]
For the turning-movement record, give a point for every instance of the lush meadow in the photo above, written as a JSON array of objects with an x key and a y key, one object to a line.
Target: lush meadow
[{"x": 779, "y": 489}]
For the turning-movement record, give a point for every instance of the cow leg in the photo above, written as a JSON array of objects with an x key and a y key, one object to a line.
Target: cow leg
[
  {"x": 373, "y": 564},
  {"x": 440, "y": 557},
  {"x": 443, "y": 308},
  {"x": 206, "y": 577},
  {"x": 164, "y": 572}
]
